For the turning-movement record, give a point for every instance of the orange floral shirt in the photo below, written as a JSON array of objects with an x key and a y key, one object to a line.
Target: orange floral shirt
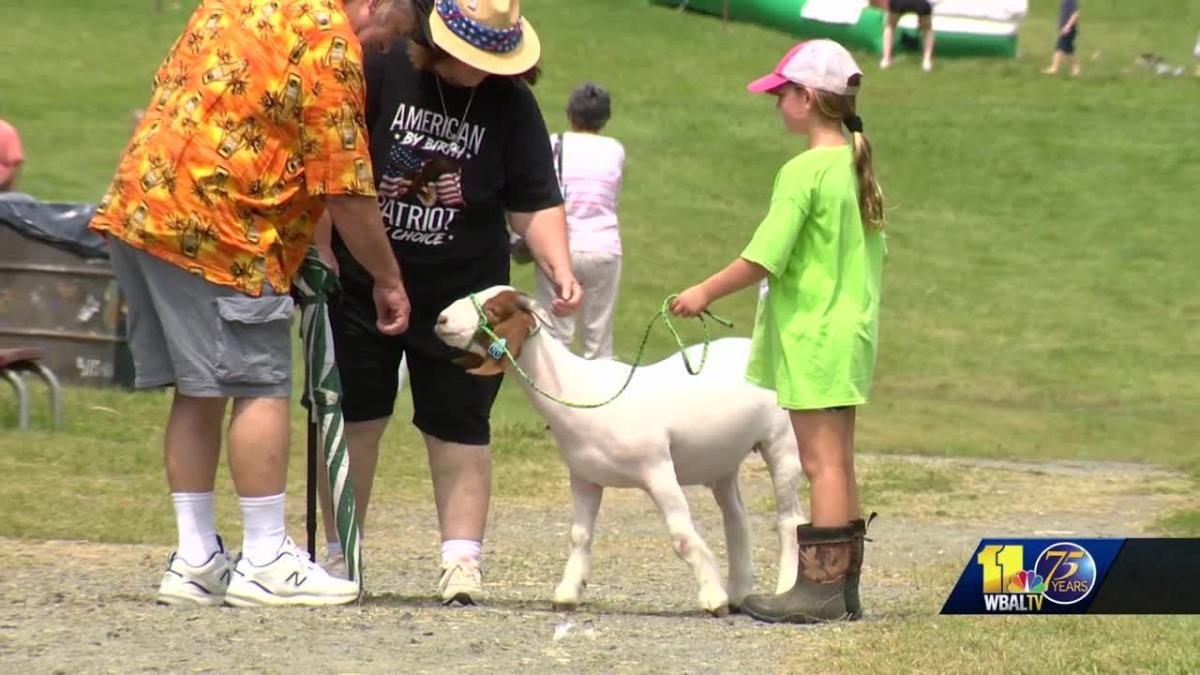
[{"x": 257, "y": 115}]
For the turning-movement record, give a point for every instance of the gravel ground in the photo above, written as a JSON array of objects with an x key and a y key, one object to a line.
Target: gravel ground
[{"x": 86, "y": 607}]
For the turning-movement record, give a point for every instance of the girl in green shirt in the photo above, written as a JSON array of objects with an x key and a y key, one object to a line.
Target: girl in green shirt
[{"x": 820, "y": 249}]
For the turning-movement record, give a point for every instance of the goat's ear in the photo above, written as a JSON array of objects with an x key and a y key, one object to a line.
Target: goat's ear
[
  {"x": 527, "y": 302},
  {"x": 478, "y": 365},
  {"x": 530, "y": 304},
  {"x": 488, "y": 367},
  {"x": 468, "y": 361}
]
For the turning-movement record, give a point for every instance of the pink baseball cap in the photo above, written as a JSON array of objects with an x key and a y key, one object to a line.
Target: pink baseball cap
[{"x": 816, "y": 64}]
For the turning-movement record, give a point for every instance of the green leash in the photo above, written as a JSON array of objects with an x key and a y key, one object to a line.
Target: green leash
[{"x": 499, "y": 350}]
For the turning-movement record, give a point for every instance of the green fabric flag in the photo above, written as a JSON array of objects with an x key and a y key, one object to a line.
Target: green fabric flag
[{"x": 322, "y": 398}]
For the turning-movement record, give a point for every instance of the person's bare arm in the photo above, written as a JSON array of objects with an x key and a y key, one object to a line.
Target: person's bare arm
[
  {"x": 323, "y": 240},
  {"x": 739, "y": 274},
  {"x": 546, "y": 232},
  {"x": 1071, "y": 23},
  {"x": 361, "y": 228}
]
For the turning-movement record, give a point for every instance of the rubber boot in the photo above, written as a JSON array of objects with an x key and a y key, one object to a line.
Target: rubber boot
[
  {"x": 853, "y": 604},
  {"x": 826, "y": 582}
]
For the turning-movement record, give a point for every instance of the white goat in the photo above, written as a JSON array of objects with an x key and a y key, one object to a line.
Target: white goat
[{"x": 668, "y": 429}]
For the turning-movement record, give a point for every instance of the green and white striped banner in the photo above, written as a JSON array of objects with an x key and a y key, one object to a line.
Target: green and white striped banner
[{"x": 323, "y": 396}]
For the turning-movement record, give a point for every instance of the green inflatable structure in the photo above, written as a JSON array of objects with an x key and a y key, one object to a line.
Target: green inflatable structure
[{"x": 970, "y": 28}]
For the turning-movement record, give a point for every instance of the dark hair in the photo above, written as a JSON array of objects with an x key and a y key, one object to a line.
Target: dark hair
[
  {"x": 589, "y": 107},
  {"x": 425, "y": 56}
]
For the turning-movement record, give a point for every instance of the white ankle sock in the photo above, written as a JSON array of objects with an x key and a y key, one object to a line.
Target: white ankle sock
[
  {"x": 197, "y": 526},
  {"x": 264, "y": 528},
  {"x": 454, "y": 550},
  {"x": 333, "y": 547}
]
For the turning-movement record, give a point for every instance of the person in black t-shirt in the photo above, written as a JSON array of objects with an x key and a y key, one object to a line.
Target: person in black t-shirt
[{"x": 460, "y": 152}]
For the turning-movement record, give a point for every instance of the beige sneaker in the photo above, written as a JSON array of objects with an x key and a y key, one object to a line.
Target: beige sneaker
[
  {"x": 461, "y": 582},
  {"x": 335, "y": 564}
]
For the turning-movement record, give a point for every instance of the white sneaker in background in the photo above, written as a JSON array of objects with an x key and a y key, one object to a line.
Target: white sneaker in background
[
  {"x": 927, "y": 66},
  {"x": 186, "y": 585},
  {"x": 461, "y": 582},
  {"x": 290, "y": 579}
]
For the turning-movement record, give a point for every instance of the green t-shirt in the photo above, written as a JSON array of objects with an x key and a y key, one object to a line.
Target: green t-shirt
[{"x": 817, "y": 324}]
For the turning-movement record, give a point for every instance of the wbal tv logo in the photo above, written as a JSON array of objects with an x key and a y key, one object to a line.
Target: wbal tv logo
[
  {"x": 1044, "y": 577},
  {"x": 1064, "y": 573}
]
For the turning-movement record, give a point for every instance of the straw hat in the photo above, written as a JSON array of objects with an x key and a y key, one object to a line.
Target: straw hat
[{"x": 489, "y": 35}]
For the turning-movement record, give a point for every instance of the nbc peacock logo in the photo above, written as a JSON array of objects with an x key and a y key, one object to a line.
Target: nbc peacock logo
[{"x": 1027, "y": 581}]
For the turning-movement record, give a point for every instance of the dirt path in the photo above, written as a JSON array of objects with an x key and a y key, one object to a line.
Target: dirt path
[{"x": 81, "y": 607}]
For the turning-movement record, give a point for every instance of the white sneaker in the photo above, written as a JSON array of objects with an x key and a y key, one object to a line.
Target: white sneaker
[
  {"x": 290, "y": 579},
  {"x": 461, "y": 582},
  {"x": 186, "y": 585},
  {"x": 927, "y": 66}
]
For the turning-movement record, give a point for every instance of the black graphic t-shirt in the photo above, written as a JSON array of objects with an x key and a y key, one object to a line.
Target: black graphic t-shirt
[{"x": 463, "y": 159}]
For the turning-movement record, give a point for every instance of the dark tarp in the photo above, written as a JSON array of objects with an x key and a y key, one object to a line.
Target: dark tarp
[{"x": 64, "y": 226}]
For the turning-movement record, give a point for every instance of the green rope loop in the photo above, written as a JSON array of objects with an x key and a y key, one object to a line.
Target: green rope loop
[{"x": 663, "y": 313}]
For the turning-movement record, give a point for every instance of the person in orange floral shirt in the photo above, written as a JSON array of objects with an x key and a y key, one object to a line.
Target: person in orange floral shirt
[{"x": 254, "y": 129}]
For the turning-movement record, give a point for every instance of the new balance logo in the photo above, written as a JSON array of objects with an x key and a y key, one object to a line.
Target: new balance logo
[{"x": 295, "y": 580}]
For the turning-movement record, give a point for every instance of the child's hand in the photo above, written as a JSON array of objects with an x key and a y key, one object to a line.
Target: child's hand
[{"x": 690, "y": 302}]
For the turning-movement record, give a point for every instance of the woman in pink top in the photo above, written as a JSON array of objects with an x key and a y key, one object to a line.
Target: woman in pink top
[{"x": 589, "y": 170}]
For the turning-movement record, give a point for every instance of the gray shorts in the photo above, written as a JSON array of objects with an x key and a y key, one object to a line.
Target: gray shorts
[{"x": 207, "y": 340}]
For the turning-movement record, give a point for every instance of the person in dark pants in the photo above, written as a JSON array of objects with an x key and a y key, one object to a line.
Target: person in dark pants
[
  {"x": 897, "y": 9},
  {"x": 1068, "y": 30},
  {"x": 461, "y": 152}
]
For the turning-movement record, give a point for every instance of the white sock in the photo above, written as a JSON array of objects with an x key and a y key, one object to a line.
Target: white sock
[
  {"x": 265, "y": 531},
  {"x": 454, "y": 550},
  {"x": 333, "y": 547},
  {"x": 197, "y": 526}
]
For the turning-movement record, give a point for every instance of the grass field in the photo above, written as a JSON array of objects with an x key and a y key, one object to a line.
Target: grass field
[{"x": 1038, "y": 303}]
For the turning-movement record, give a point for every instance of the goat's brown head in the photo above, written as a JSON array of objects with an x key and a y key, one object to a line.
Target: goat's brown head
[{"x": 508, "y": 314}]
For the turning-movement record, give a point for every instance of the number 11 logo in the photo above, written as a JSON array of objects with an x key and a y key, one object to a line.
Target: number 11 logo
[{"x": 1000, "y": 564}]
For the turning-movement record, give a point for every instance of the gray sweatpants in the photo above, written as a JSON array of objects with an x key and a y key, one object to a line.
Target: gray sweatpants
[{"x": 600, "y": 276}]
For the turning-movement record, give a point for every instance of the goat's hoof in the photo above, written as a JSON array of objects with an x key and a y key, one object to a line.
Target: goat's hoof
[
  {"x": 714, "y": 600},
  {"x": 565, "y": 606},
  {"x": 719, "y": 612}
]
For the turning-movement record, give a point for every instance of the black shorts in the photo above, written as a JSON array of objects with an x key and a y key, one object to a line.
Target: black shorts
[
  {"x": 918, "y": 7},
  {"x": 448, "y": 403},
  {"x": 1066, "y": 43}
]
